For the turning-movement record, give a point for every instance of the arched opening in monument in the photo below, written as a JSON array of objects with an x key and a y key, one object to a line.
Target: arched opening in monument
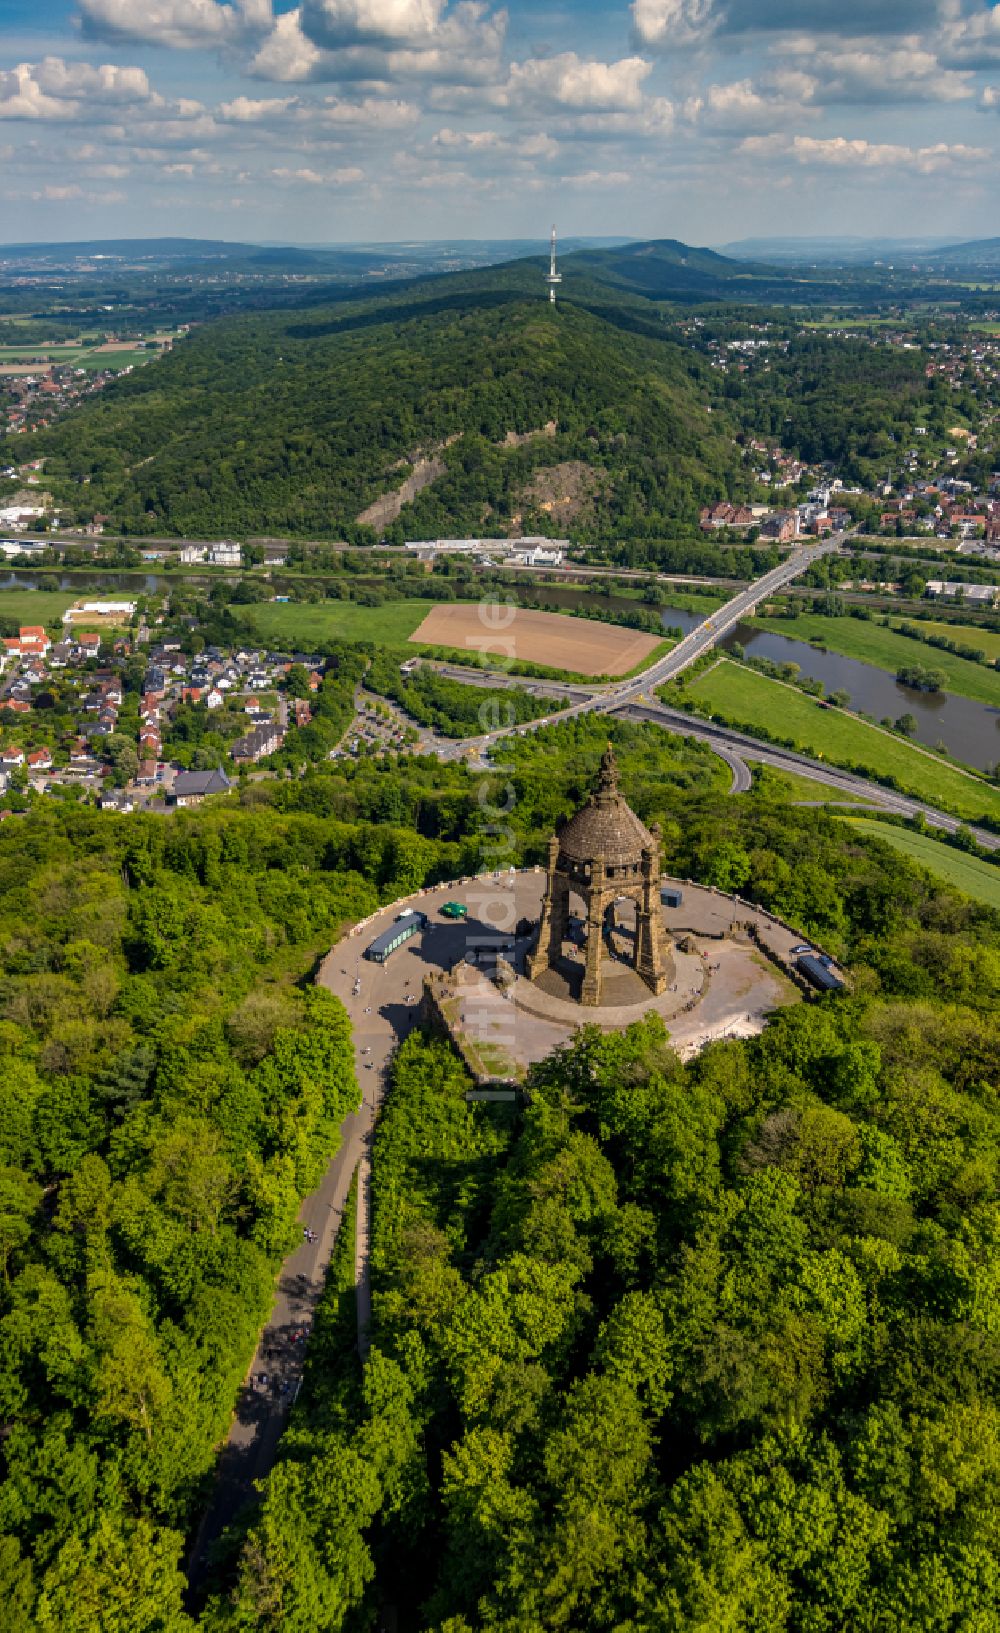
[{"x": 601, "y": 937}]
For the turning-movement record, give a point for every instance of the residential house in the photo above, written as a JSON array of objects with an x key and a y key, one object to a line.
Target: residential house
[
  {"x": 31, "y": 641},
  {"x": 261, "y": 741},
  {"x": 782, "y": 526},
  {"x": 724, "y": 514},
  {"x": 40, "y": 759},
  {"x": 11, "y": 757},
  {"x": 117, "y": 799},
  {"x": 190, "y": 787}
]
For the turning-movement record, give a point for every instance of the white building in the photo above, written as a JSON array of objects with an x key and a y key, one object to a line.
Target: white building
[
  {"x": 106, "y": 609},
  {"x": 22, "y": 547},
  {"x": 19, "y": 516},
  {"x": 192, "y": 553},
  {"x": 540, "y": 557},
  {"x": 225, "y": 555},
  {"x": 983, "y": 595}
]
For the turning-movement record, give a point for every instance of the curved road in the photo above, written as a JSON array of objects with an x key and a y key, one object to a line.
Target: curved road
[
  {"x": 626, "y": 699},
  {"x": 727, "y": 742}
]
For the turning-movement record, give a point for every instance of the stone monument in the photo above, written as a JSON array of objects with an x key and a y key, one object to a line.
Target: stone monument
[{"x": 603, "y": 855}]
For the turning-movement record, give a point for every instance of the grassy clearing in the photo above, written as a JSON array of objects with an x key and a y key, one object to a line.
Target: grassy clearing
[
  {"x": 987, "y": 640},
  {"x": 886, "y": 649},
  {"x": 302, "y": 624},
  {"x": 744, "y": 698},
  {"x": 35, "y": 606},
  {"x": 970, "y": 874},
  {"x": 694, "y": 603},
  {"x": 788, "y": 785}
]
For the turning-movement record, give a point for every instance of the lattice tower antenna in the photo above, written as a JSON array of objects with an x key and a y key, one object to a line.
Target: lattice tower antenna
[{"x": 553, "y": 276}]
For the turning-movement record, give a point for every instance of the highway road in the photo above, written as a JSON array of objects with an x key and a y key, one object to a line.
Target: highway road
[
  {"x": 718, "y": 624},
  {"x": 628, "y": 700},
  {"x": 609, "y": 698},
  {"x": 734, "y": 744}
]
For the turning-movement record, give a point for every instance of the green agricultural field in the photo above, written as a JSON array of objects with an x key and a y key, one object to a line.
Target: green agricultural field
[
  {"x": 35, "y": 606},
  {"x": 970, "y": 874},
  {"x": 302, "y": 624},
  {"x": 113, "y": 360},
  {"x": 744, "y": 698},
  {"x": 987, "y": 640},
  {"x": 706, "y": 604},
  {"x": 27, "y": 353},
  {"x": 886, "y": 649}
]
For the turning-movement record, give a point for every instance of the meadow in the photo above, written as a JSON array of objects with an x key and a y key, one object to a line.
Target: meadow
[
  {"x": 970, "y": 874},
  {"x": 302, "y": 624},
  {"x": 887, "y": 649},
  {"x": 987, "y": 640},
  {"x": 35, "y": 606},
  {"x": 742, "y": 697}
]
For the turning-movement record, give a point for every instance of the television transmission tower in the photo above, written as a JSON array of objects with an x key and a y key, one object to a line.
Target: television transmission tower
[{"x": 553, "y": 277}]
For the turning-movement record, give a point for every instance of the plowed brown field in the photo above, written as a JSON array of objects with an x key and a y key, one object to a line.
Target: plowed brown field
[{"x": 579, "y": 644}]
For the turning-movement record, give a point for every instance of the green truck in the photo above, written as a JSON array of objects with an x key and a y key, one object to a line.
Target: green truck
[{"x": 454, "y": 910}]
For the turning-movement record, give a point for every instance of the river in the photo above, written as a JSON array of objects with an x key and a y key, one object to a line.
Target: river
[{"x": 968, "y": 730}]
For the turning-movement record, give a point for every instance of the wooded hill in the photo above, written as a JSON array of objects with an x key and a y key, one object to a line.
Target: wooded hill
[{"x": 294, "y": 423}]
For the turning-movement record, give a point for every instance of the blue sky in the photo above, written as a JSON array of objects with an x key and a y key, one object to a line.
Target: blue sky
[{"x": 327, "y": 120}]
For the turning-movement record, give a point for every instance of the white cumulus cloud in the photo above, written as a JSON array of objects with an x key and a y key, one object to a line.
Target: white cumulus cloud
[
  {"x": 55, "y": 89},
  {"x": 336, "y": 23},
  {"x": 569, "y": 81},
  {"x": 246, "y": 110},
  {"x": 414, "y": 39},
  {"x": 857, "y": 153},
  {"x": 872, "y": 72},
  {"x": 746, "y": 106},
  {"x": 182, "y": 24},
  {"x": 660, "y": 24}
]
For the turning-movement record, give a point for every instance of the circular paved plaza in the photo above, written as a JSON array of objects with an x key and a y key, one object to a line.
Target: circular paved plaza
[{"x": 724, "y": 983}]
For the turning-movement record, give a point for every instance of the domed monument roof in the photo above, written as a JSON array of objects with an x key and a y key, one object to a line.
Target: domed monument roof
[{"x": 606, "y": 827}]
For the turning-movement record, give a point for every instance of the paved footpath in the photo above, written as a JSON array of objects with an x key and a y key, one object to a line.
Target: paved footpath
[
  {"x": 382, "y": 1001},
  {"x": 380, "y": 1017}
]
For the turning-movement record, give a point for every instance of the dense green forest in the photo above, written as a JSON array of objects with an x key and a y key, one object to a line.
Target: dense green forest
[
  {"x": 673, "y": 1347},
  {"x": 667, "y": 1347},
  {"x": 295, "y": 422},
  {"x": 842, "y": 400},
  {"x": 172, "y": 1085}
]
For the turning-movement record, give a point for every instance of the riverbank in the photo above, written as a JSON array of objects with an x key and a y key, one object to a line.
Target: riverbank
[
  {"x": 742, "y": 698},
  {"x": 873, "y": 643}
]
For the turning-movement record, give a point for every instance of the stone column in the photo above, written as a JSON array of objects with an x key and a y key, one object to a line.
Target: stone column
[
  {"x": 650, "y": 949},
  {"x": 590, "y": 993},
  {"x": 552, "y": 925}
]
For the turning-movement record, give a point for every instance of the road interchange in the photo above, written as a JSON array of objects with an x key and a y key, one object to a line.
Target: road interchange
[{"x": 634, "y": 699}]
